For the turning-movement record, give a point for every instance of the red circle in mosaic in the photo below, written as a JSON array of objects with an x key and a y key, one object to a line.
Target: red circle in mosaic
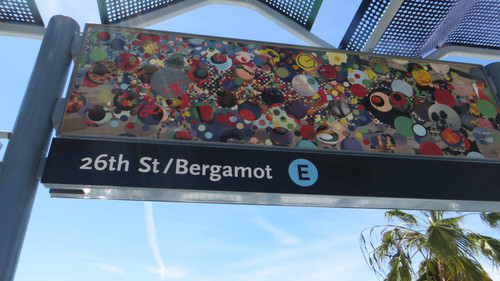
[
  {"x": 307, "y": 132},
  {"x": 247, "y": 115},
  {"x": 444, "y": 97},
  {"x": 358, "y": 90},
  {"x": 103, "y": 36},
  {"x": 430, "y": 148},
  {"x": 127, "y": 61}
]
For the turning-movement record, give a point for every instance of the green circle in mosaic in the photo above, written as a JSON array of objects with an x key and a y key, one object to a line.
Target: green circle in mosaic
[
  {"x": 364, "y": 130},
  {"x": 290, "y": 126},
  {"x": 496, "y": 138},
  {"x": 378, "y": 68},
  {"x": 404, "y": 126},
  {"x": 98, "y": 54},
  {"x": 366, "y": 83},
  {"x": 486, "y": 108},
  {"x": 355, "y": 66},
  {"x": 238, "y": 81}
]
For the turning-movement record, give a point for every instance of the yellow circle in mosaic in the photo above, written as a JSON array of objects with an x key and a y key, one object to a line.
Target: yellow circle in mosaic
[
  {"x": 105, "y": 96},
  {"x": 305, "y": 61},
  {"x": 359, "y": 135}
]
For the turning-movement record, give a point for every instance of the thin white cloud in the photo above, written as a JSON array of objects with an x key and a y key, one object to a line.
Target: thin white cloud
[
  {"x": 311, "y": 248},
  {"x": 314, "y": 260},
  {"x": 282, "y": 236},
  {"x": 153, "y": 240},
  {"x": 103, "y": 265},
  {"x": 170, "y": 272},
  {"x": 110, "y": 268}
]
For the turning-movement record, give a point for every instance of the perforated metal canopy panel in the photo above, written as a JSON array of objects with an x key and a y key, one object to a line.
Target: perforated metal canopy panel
[
  {"x": 411, "y": 26},
  {"x": 20, "y": 11},
  {"x": 480, "y": 26},
  {"x": 303, "y": 12},
  {"x": 419, "y": 27},
  {"x": 363, "y": 24}
]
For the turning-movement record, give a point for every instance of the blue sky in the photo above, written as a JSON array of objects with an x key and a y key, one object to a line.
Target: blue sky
[{"x": 70, "y": 239}]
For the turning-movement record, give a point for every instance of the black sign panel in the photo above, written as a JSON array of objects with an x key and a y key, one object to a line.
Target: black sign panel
[{"x": 80, "y": 165}]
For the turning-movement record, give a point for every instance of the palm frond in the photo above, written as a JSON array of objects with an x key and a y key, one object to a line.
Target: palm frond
[
  {"x": 453, "y": 221},
  {"x": 435, "y": 216},
  {"x": 470, "y": 270},
  {"x": 447, "y": 250},
  {"x": 489, "y": 247},
  {"x": 399, "y": 268},
  {"x": 491, "y": 219},
  {"x": 407, "y": 218},
  {"x": 441, "y": 241}
]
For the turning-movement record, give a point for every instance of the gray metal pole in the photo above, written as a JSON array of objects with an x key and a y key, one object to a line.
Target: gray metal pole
[
  {"x": 493, "y": 71},
  {"x": 30, "y": 139}
]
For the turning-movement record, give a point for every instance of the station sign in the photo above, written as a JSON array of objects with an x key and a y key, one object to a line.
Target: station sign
[{"x": 200, "y": 95}]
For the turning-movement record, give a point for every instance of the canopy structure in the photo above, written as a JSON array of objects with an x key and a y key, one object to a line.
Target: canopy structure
[
  {"x": 429, "y": 29},
  {"x": 20, "y": 18}
]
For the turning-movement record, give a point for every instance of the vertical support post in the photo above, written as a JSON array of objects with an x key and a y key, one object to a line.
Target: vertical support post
[
  {"x": 493, "y": 71},
  {"x": 30, "y": 140}
]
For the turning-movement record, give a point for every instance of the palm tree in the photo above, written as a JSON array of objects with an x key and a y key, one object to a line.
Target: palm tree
[{"x": 444, "y": 249}]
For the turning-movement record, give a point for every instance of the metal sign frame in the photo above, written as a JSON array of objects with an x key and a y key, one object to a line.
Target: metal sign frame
[{"x": 181, "y": 90}]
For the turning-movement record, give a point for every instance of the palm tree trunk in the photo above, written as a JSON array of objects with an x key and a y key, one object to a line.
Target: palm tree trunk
[{"x": 441, "y": 271}]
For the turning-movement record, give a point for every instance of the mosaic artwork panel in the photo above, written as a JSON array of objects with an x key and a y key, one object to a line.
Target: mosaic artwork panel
[{"x": 146, "y": 84}]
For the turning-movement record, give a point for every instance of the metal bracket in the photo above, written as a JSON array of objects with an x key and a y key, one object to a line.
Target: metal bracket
[
  {"x": 76, "y": 45},
  {"x": 58, "y": 112},
  {"x": 5, "y": 135}
]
